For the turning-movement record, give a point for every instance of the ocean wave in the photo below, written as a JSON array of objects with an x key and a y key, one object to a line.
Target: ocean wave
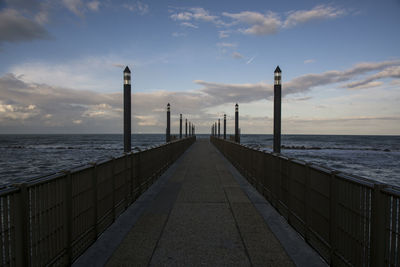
[
  {"x": 335, "y": 148},
  {"x": 294, "y": 147}
]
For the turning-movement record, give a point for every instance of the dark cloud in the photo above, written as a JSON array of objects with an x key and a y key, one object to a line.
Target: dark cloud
[
  {"x": 28, "y": 5},
  {"x": 16, "y": 28}
]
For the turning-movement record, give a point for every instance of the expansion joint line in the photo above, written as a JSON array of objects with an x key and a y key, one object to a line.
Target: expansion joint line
[
  {"x": 165, "y": 223},
  {"x": 236, "y": 224}
]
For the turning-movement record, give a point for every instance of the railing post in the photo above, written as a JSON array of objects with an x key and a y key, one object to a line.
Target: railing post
[
  {"x": 132, "y": 177},
  {"x": 378, "y": 226},
  {"x": 95, "y": 207},
  {"x": 333, "y": 186},
  {"x": 21, "y": 229},
  {"x": 68, "y": 217},
  {"x": 139, "y": 175},
  {"x": 290, "y": 190},
  {"x": 126, "y": 189},
  {"x": 307, "y": 205},
  {"x": 113, "y": 186},
  {"x": 279, "y": 193}
]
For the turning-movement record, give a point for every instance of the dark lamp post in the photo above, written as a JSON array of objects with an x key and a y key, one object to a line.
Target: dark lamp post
[
  {"x": 277, "y": 109},
  {"x": 127, "y": 110}
]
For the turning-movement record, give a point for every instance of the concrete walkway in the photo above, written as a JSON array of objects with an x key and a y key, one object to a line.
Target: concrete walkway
[{"x": 200, "y": 216}]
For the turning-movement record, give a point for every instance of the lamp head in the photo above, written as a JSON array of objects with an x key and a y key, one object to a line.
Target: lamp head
[{"x": 127, "y": 76}]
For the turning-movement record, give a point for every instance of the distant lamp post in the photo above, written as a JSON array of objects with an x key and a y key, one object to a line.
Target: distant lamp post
[
  {"x": 168, "y": 134},
  {"x": 277, "y": 109},
  {"x": 180, "y": 126},
  {"x": 219, "y": 128},
  {"x": 237, "y": 123},
  {"x": 224, "y": 126},
  {"x": 186, "y": 128},
  {"x": 127, "y": 110}
]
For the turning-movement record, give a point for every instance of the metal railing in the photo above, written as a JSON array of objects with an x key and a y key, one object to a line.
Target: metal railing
[
  {"x": 349, "y": 220},
  {"x": 53, "y": 220}
]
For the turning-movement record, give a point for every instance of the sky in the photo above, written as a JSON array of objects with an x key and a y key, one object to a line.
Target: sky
[{"x": 62, "y": 61}]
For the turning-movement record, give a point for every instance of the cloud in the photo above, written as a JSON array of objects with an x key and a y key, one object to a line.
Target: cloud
[
  {"x": 189, "y": 25},
  {"x": 308, "y": 61},
  {"x": 223, "y": 34},
  {"x": 138, "y": 7},
  {"x": 308, "y": 81},
  {"x": 237, "y": 55},
  {"x": 260, "y": 24},
  {"x": 75, "y": 6},
  {"x": 14, "y": 27},
  {"x": 90, "y": 73},
  {"x": 226, "y": 45},
  {"x": 94, "y": 5},
  {"x": 25, "y": 5},
  {"x": 118, "y": 65},
  {"x": 256, "y": 23},
  {"x": 317, "y": 13},
  {"x": 391, "y": 72},
  {"x": 196, "y": 14},
  {"x": 178, "y": 34}
]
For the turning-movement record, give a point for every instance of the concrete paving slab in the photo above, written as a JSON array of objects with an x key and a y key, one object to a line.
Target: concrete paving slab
[
  {"x": 200, "y": 234},
  {"x": 236, "y": 195}
]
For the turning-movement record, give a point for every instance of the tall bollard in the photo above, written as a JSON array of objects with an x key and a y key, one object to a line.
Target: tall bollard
[
  {"x": 168, "y": 135},
  {"x": 277, "y": 110},
  {"x": 237, "y": 123},
  {"x": 219, "y": 129},
  {"x": 186, "y": 128},
  {"x": 190, "y": 128},
  {"x": 224, "y": 126},
  {"x": 127, "y": 110},
  {"x": 180, "y": 127}
]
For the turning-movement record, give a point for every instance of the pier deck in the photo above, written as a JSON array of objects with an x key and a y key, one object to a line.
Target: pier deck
[{"x": 198, "y": 215}]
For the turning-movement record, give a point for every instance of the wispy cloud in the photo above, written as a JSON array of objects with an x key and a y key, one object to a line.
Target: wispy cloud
[
  {"x": 137, "y": 7},
  {"x": 237, "y": 55},
  {"x": 223, "y": 34},
  {"x": 189, "y": 25},
  {"x": 390, "y": 72},
  {"x": 178, "y": 34},
  {"x": 259, "y": 24},
  {"x": 319, "y": 12},
  {"x": 226, "y": 45},
  {"x": 309, "y": 61},
  {"x": 195, "y": 13},
  {"x": 94, "y": 5},
  {"x": 75, "y": 6}
]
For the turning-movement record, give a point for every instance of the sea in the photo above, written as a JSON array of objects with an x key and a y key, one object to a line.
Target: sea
[{"x": 24, "y": 157}]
